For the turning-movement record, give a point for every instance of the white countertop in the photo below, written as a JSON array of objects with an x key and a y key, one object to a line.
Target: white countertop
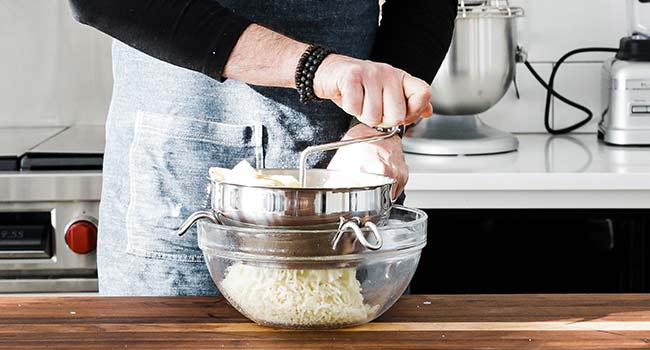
[{"x": 575, "y": 171}]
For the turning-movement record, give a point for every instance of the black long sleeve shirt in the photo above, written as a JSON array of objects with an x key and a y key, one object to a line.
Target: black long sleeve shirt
[{"x": 414, "y": 35}]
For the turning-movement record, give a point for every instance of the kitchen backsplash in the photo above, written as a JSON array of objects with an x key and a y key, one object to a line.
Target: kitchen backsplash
[
  {"x": 57, "y": 72},
  {"x": 53, "y": 71}
]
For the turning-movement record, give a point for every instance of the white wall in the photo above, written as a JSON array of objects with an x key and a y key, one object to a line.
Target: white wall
[
  {"x": 550, "y": 29},
  {"x": 53, "y": 71}
]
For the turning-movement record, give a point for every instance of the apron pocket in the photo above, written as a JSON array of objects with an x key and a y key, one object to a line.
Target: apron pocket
[{"x": 168, "y": 171}]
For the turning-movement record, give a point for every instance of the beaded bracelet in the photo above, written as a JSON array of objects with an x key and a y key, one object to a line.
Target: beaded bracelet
[{"x": 306, "y": 70}]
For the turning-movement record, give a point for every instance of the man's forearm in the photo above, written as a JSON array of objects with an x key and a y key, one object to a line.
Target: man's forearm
[{"x": 264, "y": 57}]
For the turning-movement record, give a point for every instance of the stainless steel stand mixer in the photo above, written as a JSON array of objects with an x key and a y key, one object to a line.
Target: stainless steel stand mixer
[{"x": 475, "y": 75}]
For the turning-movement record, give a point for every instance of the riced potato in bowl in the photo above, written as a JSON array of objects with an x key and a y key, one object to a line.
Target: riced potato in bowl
[{"x": 305, "y": 298}]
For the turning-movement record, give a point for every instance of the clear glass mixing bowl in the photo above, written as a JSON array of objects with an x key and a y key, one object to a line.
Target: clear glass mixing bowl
[{"x": 301, "y": 279}]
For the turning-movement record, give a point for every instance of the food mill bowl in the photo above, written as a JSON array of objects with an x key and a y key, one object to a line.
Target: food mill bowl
[
  {"x": 275, "y": 285},
  {"x": 328, "y": 196}
]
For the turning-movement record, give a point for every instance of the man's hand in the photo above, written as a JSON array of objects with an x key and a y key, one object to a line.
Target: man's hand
[
  {"x": 376, "y": 93},
  {"x": 382, "y": 157}
]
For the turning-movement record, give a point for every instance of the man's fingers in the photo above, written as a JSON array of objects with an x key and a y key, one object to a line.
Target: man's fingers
[
  {"x": 380, "y": 95},
  {"x": 401, "y": 176},
  {"x": 399, "y": 172},
  {"x": 399, "y": 186},
  {"x": 418, "y": 96},
  {"x": 428, "y": 111},
  {"x": 410, "y": 119},
  {"x": 372, "y": 102},
  {"x": 352, "y": 94},
  {"x": 396, "y": 187},
  {"x": 394, "y": 99}
]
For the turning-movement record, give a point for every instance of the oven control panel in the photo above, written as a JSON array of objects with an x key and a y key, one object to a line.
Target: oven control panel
[
  {"x": 81, "y": 235},
  {"x": 48, "y": 247}
]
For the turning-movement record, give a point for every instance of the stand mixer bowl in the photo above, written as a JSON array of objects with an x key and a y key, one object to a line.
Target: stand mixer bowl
[{"x": 480, "y": 64}]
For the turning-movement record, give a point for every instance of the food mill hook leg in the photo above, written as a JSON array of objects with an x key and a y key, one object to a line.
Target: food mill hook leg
[
  {"x": 340, "y": 231},
  {"x": 353, "y": 225},
  {"x": 375, "y": 231},
  {"x": 194, "y": 218}
]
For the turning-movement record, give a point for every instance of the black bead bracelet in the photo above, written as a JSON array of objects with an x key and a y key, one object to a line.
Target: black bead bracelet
[{"x": 306, "y": 70}]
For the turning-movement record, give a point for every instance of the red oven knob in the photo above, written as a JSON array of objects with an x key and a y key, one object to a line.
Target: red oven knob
[{"x": 81, "y": 237}]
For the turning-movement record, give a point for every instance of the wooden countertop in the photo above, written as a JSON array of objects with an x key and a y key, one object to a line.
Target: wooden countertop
[{"x": 415, "y": 322}]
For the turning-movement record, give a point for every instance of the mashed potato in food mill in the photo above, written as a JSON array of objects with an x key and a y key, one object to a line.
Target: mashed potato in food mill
[
  {"x": 297, "y": 298},
  {"x": 244, "y": 174}
]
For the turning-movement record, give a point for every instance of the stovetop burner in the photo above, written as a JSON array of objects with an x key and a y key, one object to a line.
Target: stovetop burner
[
  {"x": 52, "y": 148},
  {"x": 15, "y": 142}
]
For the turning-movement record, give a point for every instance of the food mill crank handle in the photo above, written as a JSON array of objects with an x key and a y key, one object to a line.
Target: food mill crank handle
[{"x": 336, "y": 145}]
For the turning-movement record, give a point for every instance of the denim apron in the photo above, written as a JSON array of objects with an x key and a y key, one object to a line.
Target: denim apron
[{"x": 167, "y": 126}]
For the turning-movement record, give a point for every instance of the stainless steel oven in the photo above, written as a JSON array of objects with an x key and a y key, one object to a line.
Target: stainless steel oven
[{"x": 49, "y": 199}]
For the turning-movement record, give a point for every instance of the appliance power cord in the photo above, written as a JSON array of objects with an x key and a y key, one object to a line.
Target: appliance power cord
[{"x": 550, "y": 91}]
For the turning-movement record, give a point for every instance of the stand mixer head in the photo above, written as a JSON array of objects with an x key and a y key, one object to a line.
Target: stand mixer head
[{"x": 475, "y": 75}]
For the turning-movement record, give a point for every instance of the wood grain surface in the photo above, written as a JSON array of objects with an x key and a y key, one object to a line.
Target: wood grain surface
[{"x": 415, "y": 322}]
